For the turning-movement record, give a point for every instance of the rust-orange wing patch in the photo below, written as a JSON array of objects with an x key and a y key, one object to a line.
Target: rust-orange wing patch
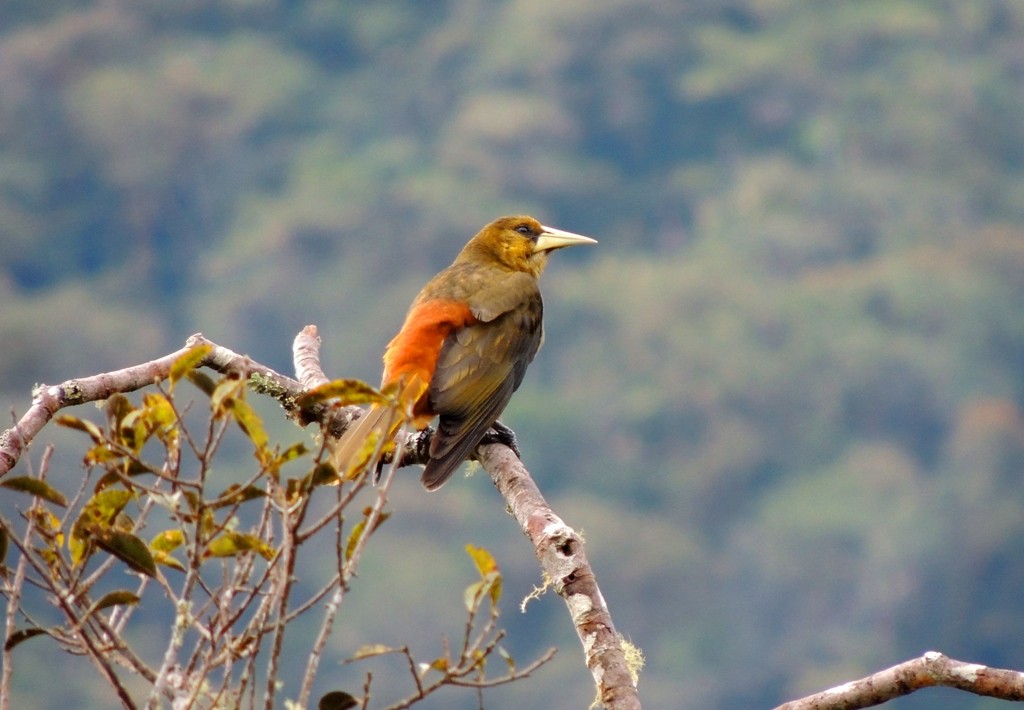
[{"x": 415, "y": 350}]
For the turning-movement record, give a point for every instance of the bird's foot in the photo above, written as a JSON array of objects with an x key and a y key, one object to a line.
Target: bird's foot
[
  {"x": 410, "y": 447},
  {"x": 501, "y": 434}
]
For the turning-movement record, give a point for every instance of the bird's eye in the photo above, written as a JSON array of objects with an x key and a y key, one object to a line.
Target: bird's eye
[{"x": 524, "y": 230}]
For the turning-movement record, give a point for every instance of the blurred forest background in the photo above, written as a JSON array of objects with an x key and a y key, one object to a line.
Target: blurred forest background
[{"x": 782, "y": 398}]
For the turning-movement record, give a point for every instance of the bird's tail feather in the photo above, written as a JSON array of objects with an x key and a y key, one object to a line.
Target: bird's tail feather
[{"x": 363, "y": 442}]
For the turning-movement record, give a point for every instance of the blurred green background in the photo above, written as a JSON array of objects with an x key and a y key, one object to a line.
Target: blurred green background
[{"x": 782, "y": 398}]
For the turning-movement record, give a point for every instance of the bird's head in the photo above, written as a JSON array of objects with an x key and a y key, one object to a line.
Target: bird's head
[{"x": 521, "y": 243}]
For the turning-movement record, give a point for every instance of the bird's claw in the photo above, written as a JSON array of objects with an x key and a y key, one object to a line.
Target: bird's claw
[{"x": 501, "y": 434}]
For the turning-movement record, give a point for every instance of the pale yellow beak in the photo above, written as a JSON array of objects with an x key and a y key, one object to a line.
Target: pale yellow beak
[{"x": 552, "y": 238}]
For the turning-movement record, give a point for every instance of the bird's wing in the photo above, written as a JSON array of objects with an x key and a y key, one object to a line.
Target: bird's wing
[{"x": 479, "y": 368}]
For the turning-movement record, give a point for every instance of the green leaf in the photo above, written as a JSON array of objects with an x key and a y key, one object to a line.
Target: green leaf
[
  {"x": 128, "y": 548},
  {"x": 322, "y": 474},
  {"x": 337, "y": 700},
  {"x": 292, "y": 452},
  {"x": 97, "y": 516},
  {"x": 35, "y": 487},
  {"x": 94, "y": 432},
  {"x": 188, "y": 362},
  {"x": 116, "y": 598},
  {"x": 346, "y": 392},
  {"x": 128, "y": 467},
  {"x": 235, "y": 494},
  {"x": 231, "y": 544},
  {"x": 24, "y": 635},
  {"x": 203, "y": 382}
]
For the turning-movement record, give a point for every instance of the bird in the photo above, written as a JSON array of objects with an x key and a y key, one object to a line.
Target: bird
[{"x": 464, "y": 347}]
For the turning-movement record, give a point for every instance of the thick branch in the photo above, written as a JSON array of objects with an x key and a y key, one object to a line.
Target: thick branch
[
  {"x": 47, "y": 400},
  {"x": 560, "y": 551},
  {"x": 931, "y": 669}
]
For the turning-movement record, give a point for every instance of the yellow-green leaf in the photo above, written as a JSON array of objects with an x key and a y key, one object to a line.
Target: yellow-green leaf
[
  {"x": 101, "y": 453},
  {"x": 490, "y": 577},
  {"x": 35, "y": 487},
  {"x": 495, "y": 581},
  {"x": 353, "y": 538},
  {"x": 80, "y": 548},
  {"x": 438, "y": 664},
  {"x": 48, "y": 524},
  {"x": 358, "y": 529},
  {"x": 292, "y": 452},
  {"x": 483, "y": 559},
  {"x": 117, "y": 408},
  {"x": 105, "y": 505},
  {"x": 231, "y": 544},
  {"x": 491, "y": 585},
  {"x": 345, "y": 391},
  {"x": 127, "y": 548},
  {"x": 226, "y": 390},
  {"x": 248, "y": 421},
  {"x": 94, "y": 432},
  {"x": 162, "y": 558},
  {"x": 131, "y": 430},
  {"x": 167, "y": 541},
  {"x": 157, "y": 411},
  {"x": 322, "y": 475},
  {"x": 188, "y": 361}
]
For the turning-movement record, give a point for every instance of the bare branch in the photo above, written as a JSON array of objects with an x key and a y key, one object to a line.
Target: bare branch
[
  {"x": 48, "y": 400},
  {"x": 931, "y": 669},
  {"x": 560, "y": 551},
  {"x": 306, "y": 356}
]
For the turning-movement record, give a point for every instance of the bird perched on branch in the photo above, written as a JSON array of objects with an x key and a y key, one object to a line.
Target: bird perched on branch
[{"x": 465, "y": 345}]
